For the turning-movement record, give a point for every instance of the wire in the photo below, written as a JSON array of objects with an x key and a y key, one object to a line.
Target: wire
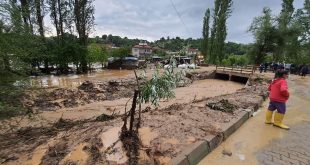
[{"x": 179, "y": 15}]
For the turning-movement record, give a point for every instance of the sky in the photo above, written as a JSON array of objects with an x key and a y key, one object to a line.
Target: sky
[{"x": 153, "y": 19}]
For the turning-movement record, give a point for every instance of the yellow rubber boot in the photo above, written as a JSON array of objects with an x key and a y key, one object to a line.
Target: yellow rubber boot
[
  {"x": 278, "y": 118},
  {"x": 269, "y": 117}
]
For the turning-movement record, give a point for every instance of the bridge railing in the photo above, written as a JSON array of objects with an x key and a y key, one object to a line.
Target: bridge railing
[{"x": 249, "y": 69}]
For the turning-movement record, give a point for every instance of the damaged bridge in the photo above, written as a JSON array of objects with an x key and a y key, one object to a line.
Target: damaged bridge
[{"x": 238, "y": 74}]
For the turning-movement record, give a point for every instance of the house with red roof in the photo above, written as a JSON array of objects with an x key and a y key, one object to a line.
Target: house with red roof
[{"x": 142, "y": 50}]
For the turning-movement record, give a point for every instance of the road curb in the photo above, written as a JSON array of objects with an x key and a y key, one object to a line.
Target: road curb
[{"x": 196, "y": 152}]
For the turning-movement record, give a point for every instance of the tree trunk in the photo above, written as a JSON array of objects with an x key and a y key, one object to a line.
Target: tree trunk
[
  {"x": 25, "y": 8},
  {"x": 38, "y": 6},
  {"x": 60, "y": 14}
]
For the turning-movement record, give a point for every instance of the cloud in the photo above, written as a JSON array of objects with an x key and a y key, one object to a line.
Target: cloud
[{"x": 151, "y": 20}]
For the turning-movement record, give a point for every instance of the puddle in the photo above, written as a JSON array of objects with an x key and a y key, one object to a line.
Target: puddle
[
  {"x": 110, "y": 136},
  {"x": 78, "y": 154},
  {"x": 37, "y": 155},
  {"x": 39, "y": 152},
  {"x": 117, "y": 153},
  {"x": 146, "y": 136}
]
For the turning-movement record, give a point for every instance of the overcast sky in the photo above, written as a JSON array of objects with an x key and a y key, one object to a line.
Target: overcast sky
[{"x": 152, "y": 19}]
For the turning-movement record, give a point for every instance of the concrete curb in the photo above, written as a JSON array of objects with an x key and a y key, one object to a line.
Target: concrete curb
[{"x": 196, "y": 152}]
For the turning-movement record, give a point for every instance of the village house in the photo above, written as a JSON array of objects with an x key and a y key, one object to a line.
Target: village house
[
  {"x": 191, "y": 52},
  {"x": 142, "y": 51}
]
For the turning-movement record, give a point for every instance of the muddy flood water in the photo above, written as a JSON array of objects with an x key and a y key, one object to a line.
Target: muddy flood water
[
  {"x": 80, "y": 144},
  {"x": 74, "y": 80}
]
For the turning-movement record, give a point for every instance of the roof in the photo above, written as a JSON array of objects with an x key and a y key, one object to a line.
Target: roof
[{"x": 143, "y": 46}]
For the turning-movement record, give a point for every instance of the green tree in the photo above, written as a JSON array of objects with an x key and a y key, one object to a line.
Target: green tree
[
  {"x": 221, "y": 13},
  {"x": 97, "y": 53},
  {"x": 265, "y": 36},
  {"x": 301, "y": 25},
  {"x": 84, "y": 22},
  {"x": 16, "y": 45},
  {"x": 120, "y": 52},
  {"x": 284, "y": 29},
  {"x": 205, "y": 34}
]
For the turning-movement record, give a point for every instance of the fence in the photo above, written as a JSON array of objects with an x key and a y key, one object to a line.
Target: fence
[{"x": 249, "y": 69}]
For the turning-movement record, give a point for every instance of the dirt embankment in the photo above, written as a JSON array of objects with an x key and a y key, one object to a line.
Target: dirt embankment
[{"x": 164, "y": 133}]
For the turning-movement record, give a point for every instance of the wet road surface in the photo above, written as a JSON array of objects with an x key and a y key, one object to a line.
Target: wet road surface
[{"x": 258, "y": 143}]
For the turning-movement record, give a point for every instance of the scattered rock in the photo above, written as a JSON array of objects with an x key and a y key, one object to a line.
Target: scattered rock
[{"x": 226, "y": 152}]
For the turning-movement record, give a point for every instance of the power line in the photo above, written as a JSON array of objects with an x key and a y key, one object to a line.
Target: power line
[{"x": 179, "y": 15}]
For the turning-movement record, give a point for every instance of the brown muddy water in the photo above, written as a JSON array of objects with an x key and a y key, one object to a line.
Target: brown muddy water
[{"x": 74, "y": 80}]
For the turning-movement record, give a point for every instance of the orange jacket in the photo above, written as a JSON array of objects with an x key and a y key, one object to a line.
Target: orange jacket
[{"x": 278, "y": 90}]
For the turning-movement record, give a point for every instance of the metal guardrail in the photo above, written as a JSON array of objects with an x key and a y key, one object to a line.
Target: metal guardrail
[{"x": 249, "y": 69}]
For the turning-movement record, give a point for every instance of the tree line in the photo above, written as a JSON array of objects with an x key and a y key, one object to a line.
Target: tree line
[
  {"x": 285, "y": 37},
  {"x": 23, "y": 34},
  {"x": 213, "y": 43},
  {"x": 24, "y": 45},
  {"x": 280, "y": 38}
]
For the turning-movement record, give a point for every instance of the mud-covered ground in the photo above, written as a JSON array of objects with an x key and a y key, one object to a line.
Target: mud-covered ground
[
  {"x": 88, "y": 92},
  {"x": 164, "y": 132}
]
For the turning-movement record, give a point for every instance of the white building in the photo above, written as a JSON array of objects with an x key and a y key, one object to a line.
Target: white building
[
  {"x": 142, "y": 51},
  {"x": 192, "y": 52}
]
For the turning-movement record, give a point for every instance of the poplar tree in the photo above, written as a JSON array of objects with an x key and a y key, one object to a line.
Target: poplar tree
[
  {"x": 221, "y": 13},
  {"x": 265, "y": 35},
  {"x": 284, "y": 30},
  {"x": 84, "y": 23},
  {"x": 205, "y": 34},
  {"x": 212, "y": 53}
]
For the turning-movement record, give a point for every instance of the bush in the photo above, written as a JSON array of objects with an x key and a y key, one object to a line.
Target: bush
[{"x": 235, "y": 60}]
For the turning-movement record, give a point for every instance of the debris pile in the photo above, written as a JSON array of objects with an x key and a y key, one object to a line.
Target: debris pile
[
  {"x": 88, "y": 92},
  {"x": 222, "y": 105}
]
